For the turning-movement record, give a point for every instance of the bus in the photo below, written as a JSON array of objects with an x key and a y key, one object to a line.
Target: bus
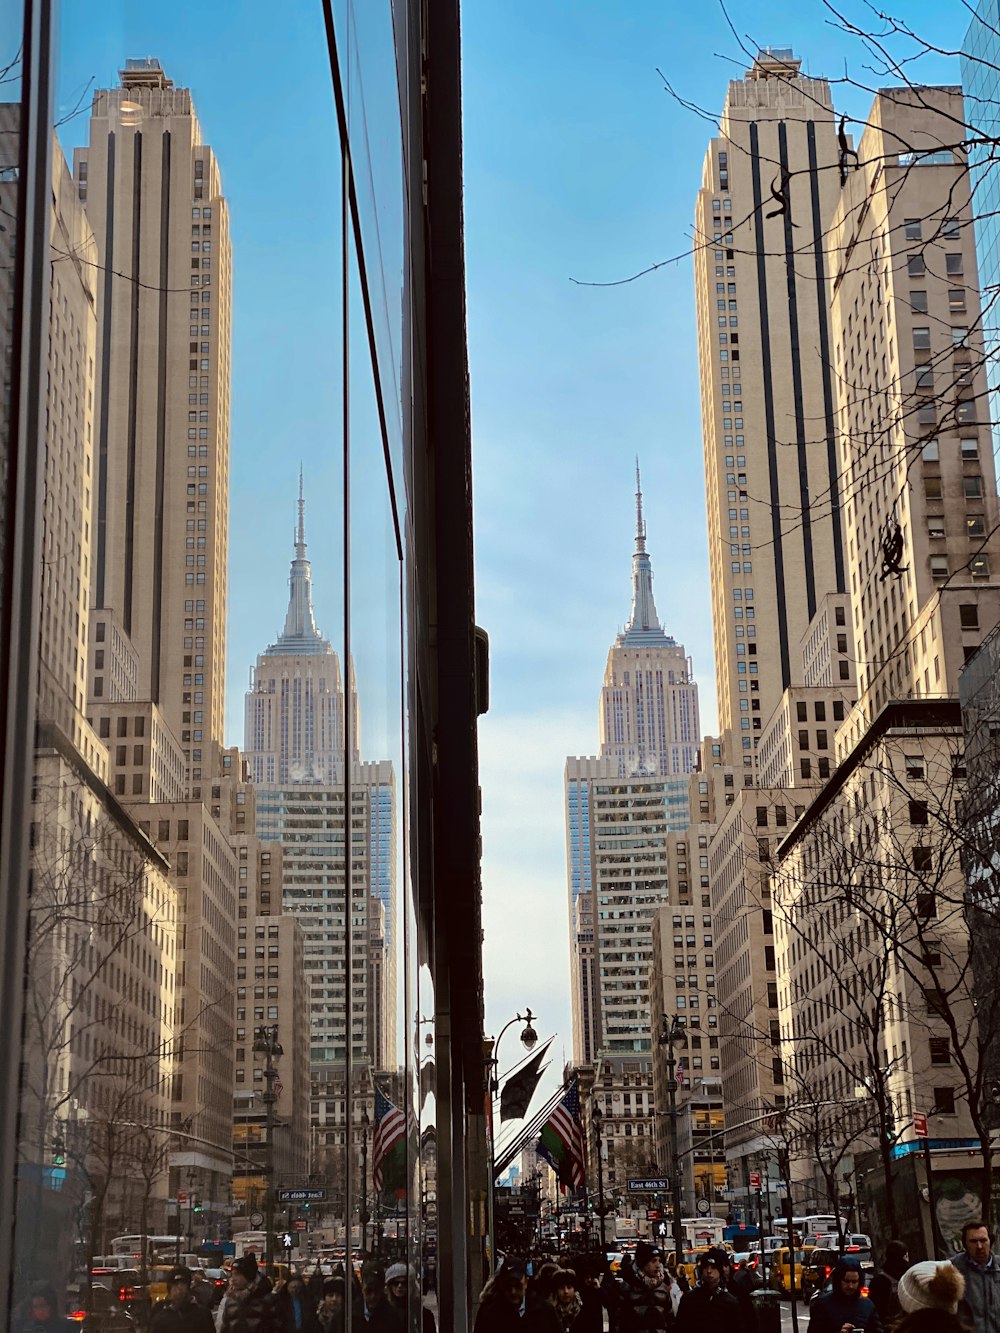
[
  {"x": 131, "y": 1246},
  {"x": 814, "y": 1224}
]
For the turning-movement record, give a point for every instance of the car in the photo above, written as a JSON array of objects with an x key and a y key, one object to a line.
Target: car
[
  {"x": 101, "y": 1311},
  {"x": 781, "y": 1276},
  {"x": 828, "y": 1286}
]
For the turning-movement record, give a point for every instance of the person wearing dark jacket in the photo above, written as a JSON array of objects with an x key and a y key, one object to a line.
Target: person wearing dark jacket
[
  {"x": 500, "y": 1307},
  {"x": 709, "y": 1308},
  {"x": 882, "y": 1288},
  {"x": 645, "y": 1293},
  {"x": 844, "y": 1308},
  {"x": 180, "y": 1312},
  {"x": 39, "y": 1315},
  {"x": 293, "y": 1307}
]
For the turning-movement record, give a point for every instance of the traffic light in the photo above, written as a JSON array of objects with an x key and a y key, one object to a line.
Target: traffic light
[
  {"x": 58, "y": 1151},
  {"x": 198, "y": 1205}
]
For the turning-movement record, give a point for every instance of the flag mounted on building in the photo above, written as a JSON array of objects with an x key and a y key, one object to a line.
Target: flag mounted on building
[
  {"x": 388, "y": 1145},
  {"x": 517, "y": 1092},
  {"x": 561, "y": 1142}
]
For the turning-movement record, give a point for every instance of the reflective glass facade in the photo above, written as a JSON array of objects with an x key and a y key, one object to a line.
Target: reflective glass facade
[{"x": 241, "y": 972}]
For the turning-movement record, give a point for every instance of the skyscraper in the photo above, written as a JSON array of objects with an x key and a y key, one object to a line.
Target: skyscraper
[
  {"x": 153, "y": 193},
  {"x": 769, "y": 184},
  {"x": 649, "y": 703},
  {"x": 294, "y": 720},
  {"x": 620, "y": 805},
  {"x": 318, "y": 806}
]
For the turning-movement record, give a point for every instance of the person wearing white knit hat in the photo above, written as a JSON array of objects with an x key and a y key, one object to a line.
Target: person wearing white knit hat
[{"x": 931, "y": 1286}]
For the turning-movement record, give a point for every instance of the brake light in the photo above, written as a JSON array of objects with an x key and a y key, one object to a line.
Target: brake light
[
  {"x": 853, "y": 1249},
  {"x": 126, "y": 1293},
  {"x": 78, "y": 1316},
  {"x": 864, "y": 1291}
]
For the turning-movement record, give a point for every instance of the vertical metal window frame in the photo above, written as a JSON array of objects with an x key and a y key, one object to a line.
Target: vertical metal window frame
[{"x": 21, "y": 566}]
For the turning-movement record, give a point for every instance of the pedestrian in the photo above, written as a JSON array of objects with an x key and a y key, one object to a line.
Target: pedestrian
[
  {"x": 646, "y": 1293},
  {"x": 843, "y": 1308},
  {"x": 742, "y": 1284},
  {"x": 378, "y": 1315},
  {"x": 180, "y": 1312},
  {"x": 709, "y": 1308},
  {"x": 202, "y": 1288},
  {"x": 980, "y": 1305},
  {"x": 330, "y": 1312},
  {"x": 500, "y": 1306},
  {"x": 930, "y": 1286},
  {"x": 39, "y": 1314},
  {"x": 293, "y": 1307},
  {"x": 882, "y": 1289},
  {"x": 401, "y": 1285},
  {"x": 248, "y": 1305}
]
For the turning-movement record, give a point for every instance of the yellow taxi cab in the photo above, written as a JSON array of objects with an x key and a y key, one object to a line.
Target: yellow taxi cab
[
  {"x": 688, "y": 1264},
  {"x": 781, "y": 1274},
  {"x": 158, "y": 1283}
]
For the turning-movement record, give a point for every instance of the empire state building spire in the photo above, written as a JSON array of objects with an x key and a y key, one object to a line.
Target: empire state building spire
[
  {"x": 643, "y": 628},
  {"x": 300, "y": 634}
]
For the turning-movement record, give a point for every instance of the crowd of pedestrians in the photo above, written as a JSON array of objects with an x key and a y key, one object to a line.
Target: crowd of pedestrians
[{"x": 582, "y": 1295}]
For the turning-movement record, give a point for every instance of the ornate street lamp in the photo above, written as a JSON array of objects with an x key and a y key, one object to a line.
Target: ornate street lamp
[
  {"x": 265, "y": 1042},
  {"x": 672, "y": 1034}
]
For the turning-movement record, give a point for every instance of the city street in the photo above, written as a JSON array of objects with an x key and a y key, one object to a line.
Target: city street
[{"x": 786, "y": 1316}]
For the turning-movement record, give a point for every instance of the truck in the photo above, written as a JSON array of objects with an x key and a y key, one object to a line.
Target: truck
[{"x": 703, "y": 1232}]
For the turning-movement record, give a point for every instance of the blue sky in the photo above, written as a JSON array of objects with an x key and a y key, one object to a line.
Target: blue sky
[{"x": 578, "y": 165}]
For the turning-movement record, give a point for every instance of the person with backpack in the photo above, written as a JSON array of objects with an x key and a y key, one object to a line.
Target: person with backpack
[{"x": 882, "y": 1289}]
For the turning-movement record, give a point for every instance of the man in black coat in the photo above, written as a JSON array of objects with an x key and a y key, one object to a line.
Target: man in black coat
[
  {"x": 180, "y": 1312},
  {"x": 709, "y": 1308}
]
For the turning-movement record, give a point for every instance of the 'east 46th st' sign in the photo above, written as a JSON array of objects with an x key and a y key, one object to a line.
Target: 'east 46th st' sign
[
  {"x": 312, "y": 1195},
  {"x": 653, "y": 1185}
]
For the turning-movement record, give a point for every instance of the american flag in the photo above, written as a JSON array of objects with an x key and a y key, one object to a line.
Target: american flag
[
  {"x": 562, "y": 1139},
  {"x": 390, "y": 1128}
]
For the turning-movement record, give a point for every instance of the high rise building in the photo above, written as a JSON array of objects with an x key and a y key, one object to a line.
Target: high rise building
[
  {"x": 872, "y": 872},
  {"x": 981, "y": 84},
  {"x": 153, "y": 194},
  {"x": 620, "y": 805},
  {"x": 769, "y": 185},
  {"x": 919, "y": 476},
  {"x": 317, "y": 805},
  {"x": 649, "y": 702},
  {"x": 294, "y": 726}
]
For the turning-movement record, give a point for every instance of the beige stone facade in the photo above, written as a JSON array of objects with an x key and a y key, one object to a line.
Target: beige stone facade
[
  {"x": 768, "y": 406},
  {"x": 153, "y": 194}
]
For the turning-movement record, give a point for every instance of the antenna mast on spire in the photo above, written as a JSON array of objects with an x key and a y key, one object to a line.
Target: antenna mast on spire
[
  {"x": 300, "y": 537},
  {"x": 640, "y": 526}
]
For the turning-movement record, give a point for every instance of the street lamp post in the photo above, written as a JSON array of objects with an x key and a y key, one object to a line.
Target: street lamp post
[
  {"x": 671, "y": 1034},
  {"x": 529, "y": 1040},
  {"x": 365, "y": 1125},
  {"x": 597, "y": 1120},
  {"x": 265, "y": 1042}
]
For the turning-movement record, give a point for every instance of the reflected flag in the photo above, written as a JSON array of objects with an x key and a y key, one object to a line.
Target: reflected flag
[
  {"x": 561, "y": 1142},
  {"x": 388, "y": 1144}
]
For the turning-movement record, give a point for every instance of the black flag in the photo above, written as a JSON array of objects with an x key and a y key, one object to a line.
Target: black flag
[{"x": 519, "y": 1088}]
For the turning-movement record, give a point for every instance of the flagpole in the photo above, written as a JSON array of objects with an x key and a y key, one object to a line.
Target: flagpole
[{"x": 529, "y": 1039}]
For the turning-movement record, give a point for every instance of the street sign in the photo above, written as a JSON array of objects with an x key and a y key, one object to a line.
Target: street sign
[
  {"x": 182, "y": 1197},
  {"x": 648, "y": 1185},
  {"x": 920, "y": 1124},
  {"x": 299, "y": 1224},
  {"x": 755, "y": 1180},
  {"x": 314, "y": 1194},
  {"x": 652, "y": 1214}
]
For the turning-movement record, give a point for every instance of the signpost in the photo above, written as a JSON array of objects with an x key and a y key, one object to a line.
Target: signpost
[
  {"x": 648, "y": 1185},
  {"x": 755, "y": 1180},
  {"x": 313, "y": 1194},
  {"x": 919, "y": 1124},
  {"x": 182, "y": 1197}
]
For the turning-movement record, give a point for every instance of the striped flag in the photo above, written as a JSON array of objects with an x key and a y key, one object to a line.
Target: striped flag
[
  {"x": 561, "y": 1142},
  {"x": 388, "y": 1144}
]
